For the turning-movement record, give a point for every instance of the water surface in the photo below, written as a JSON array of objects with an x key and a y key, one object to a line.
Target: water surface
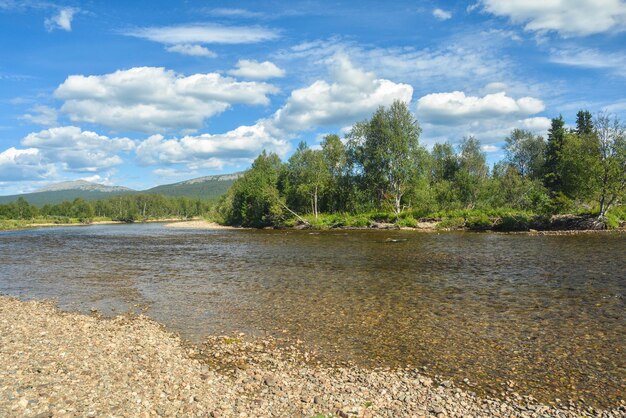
[{"x": 545, "y": 313}]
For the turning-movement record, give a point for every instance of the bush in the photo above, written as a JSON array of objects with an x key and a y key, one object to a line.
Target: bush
[
  {"x": 612, "y": 221},
  {"x": 479, "y": 223},
  {"x": 382, "y": 217},
  {"x": 408, "y": 222},
  {"x": 451, "y": 223},
  {"x": 514, "y": 222}
]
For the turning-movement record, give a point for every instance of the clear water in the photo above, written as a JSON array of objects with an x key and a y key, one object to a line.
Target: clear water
[{"x": 547, "y": 313}]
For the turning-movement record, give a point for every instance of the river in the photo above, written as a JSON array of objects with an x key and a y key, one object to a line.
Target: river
[{"x": 538, "y": 315}]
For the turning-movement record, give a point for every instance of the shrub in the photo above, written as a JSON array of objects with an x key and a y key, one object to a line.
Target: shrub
[
  {"x": 514, "y": 222},
  {"x": 451, "y": 223},
  {"x": 479, "y": 223},
  {"x": 408, "y": 221}
]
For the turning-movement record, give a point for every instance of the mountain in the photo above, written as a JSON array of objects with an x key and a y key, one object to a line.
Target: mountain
[
  {"x": 68, "y": 190},
  {"x": 82, "y": 185},
  {"x": 208, "y": 188}
]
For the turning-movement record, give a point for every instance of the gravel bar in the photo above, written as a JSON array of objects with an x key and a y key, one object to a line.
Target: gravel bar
[{"x": 57, "y": 364}]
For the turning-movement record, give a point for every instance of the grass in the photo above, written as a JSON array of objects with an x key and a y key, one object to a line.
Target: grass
[
  {"x": 501, "y": 219},
  {"x": 11, "y": 224}
]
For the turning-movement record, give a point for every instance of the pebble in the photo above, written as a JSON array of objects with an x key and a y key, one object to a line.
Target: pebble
[{"x": 131, "y": 366}]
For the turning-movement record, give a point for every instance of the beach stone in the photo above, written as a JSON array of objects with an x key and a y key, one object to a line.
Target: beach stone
[{"x": 132, "y": 366}]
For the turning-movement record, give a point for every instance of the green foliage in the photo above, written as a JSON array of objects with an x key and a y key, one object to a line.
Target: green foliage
[
  {"x": 452, "y": 223},
  {"x": 407, "y": 221},
  {"x": 479, "y": 223},
  {"x": 525, "y": 152},
  {"x": 126, "y": 208},
  {"x": 514, "y": 222},
  {"x": 556, "y": 139},
  {"x": 254, "y": 199},
  {"x": 560, "y": 203},
  {"x": 382, "y": 175},
  {"x": 387, "y": 154}
]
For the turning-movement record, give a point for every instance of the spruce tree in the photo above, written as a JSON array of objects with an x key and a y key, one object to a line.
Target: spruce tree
[{"x": 556, "y": 138}]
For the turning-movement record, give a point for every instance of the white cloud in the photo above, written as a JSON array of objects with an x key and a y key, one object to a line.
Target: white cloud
[
  {"x": 100, "y": 179},
  {"x": 490, "y": 148},
  {"x": 495, "y": 87},
  {"x": 42, "y": 115},
  {"x": 192, "y": 50},
  {"x": 257, "y": 70},
  {"x": 62, "y": 20},
  {"x": 150, "y": 99},
  {"x": 204, "y": 34},
  {"x": 490, "y": 118},
  {"x": 172, "y": 173},
  {"x": 469, "y": 60},
  {"x": 23, "y": 164},
  {"x": 78, "y": 150},
  {"x": 351, "y": 96},
  {"x": 238, "y": 13},
  {"x": 538, "y": 124},
  {"x": 242, "y": 144},
  {"x": 457, "y": 108},
  {"x": 441, "y": 14},
  {"x": 590, "y": 58},
  {"x": 488, "y": 131},
  {"x": 579, "y": 18}
]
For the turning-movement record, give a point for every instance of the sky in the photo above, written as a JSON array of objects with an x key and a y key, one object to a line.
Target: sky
[{"x": 144, "y": 93}]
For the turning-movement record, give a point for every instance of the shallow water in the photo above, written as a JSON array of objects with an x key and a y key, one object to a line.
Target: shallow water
[{"x": 545, "y": 312}]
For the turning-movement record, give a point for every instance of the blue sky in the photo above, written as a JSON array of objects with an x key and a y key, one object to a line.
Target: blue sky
[{"x": 146, "y": 93}]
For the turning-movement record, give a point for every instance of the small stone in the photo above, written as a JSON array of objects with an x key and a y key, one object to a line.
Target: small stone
[
  {"x": 270, "y": 381},
  {"x": 317, "y": 400}
]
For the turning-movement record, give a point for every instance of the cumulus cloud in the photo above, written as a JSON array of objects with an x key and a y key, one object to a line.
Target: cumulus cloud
[
  {"x": 490, "y": 118},
  {"x": 211, "y": 151},
  {"x": 204, "y": 34},
  {"x": 23, "y": 164},
  {"x": 150, "y": 99},
  {"x": 78, "y": 150},
  {"x": 62, "y": 20},
  {"x": 42, "y": 115},
  {"x": 457, "y": 108},
  {"x": 257, "y": 70},
  {"x": 351, "y": 95},
  {"x": 192, "y": 50},
  {"x": 441, "y": 14},
  {"x": 582, "y": 18}
]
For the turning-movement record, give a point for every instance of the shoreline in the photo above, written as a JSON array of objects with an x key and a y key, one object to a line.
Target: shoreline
[
  {"x": 63, "y": 363},
  {"x": 198, "y": 224},
  {"x": 424, "y": 227}
]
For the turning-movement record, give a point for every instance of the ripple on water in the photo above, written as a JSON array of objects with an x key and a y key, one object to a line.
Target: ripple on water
[{"x": 535, "y": 315}]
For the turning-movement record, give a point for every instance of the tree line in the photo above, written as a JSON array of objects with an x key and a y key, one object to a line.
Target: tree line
[
  {"x": 382, "y": 166},
  {"x": 126, "y": 208}
]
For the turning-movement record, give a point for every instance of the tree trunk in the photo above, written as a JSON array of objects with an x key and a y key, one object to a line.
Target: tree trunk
[{"x": 315, "y": 200}]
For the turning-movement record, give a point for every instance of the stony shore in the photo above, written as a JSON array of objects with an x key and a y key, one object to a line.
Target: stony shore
[
  {"x": 198, "y": 224},
  {"x": 55, "y": 363}
]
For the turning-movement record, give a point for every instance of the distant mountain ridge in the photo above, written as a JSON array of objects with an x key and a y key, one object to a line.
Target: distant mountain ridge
[
  {"x": 206, "y": 188},
  {"x": 82, "y": 185}
]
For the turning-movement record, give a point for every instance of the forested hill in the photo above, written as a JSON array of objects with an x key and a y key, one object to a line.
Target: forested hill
[
  {"x": 206, "y": 188},
  {"x": 209, "y": 187}
]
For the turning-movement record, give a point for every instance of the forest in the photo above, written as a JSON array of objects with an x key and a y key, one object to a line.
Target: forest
[
  {"x": 124, "y": 208},
  {"x": 381, "y": 172}
]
